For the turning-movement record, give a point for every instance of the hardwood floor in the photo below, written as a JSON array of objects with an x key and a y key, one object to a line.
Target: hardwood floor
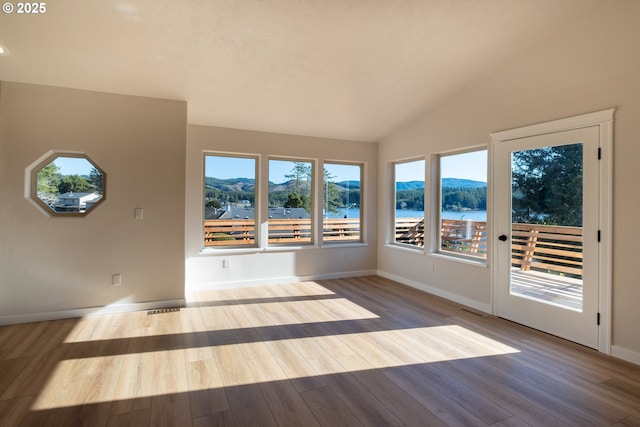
[{"x": 358, "y": 351}]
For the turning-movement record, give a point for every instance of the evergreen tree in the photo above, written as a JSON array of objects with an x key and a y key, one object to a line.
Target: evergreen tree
[
  {"x": 75, "y": 184},
  {"x": 332, "y": 199},
  {"x": 97, "y": 181},
  {"x": 48, "y": 179},
  {"x": 547, "y": 185},
  {"x": 301, "y": 175},
  {"x": 301, "y": 196}
]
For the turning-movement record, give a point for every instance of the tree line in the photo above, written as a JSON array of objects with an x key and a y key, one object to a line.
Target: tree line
[
  {"x": 453, "y": 199},
  {"x": 295, "y": 193},
  {"x": 50, "y": 183}
]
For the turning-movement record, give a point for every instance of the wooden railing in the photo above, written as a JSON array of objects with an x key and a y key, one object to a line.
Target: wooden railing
[
  {"x": 341, "y": 229},
  {"x": 457, "y": 236},
  {"x": 229, "y": 232},
  {"x": 547, "y": 248},
  {"x": 410, "y": 231},
  {"x": 234, "y": 232},
  {"x": 468, "y": 237},
  {"x": 290, "y": 231},
  {"x": 534, "y": 247}
]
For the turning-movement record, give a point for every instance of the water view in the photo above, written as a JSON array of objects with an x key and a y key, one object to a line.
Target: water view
[{"x": 407, "y": 213}]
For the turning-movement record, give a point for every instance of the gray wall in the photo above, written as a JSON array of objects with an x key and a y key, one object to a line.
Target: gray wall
[
  {"x": 52, "y": 267},
  {"x": 276, "y": 264},
  {"x": 590, "y": 66}
]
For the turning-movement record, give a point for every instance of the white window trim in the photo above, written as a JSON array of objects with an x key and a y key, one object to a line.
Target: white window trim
[
  {"x": 361, "y": 241},
  {"x": 604, "y": 120},
  {"x": 315, "y": 227},
  {"x": 436, "y": 207},
  {"x": 207, "y": 250},
  {"x": 391, "y": 223}
]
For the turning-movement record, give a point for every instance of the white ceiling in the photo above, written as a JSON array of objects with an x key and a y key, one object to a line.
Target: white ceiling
[{"x": 350, "y": 69}]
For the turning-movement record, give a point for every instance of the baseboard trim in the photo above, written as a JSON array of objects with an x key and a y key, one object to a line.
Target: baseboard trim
[
  {"x": 625, "y": 354},
  {"x": 278, "y": 280},
  {"x": 485, "y": 308},
  {"x": 91, "y": 311}
]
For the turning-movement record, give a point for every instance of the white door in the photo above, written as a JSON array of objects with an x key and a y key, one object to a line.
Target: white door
[{"x": 547, "y": 194}]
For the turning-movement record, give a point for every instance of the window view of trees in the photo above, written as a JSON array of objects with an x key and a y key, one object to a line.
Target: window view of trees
[
  {"x": 409, "y": 202},
  {"x": 290, "y": 202},
  {"x": 229, "y": 200},
  {"x": 547, "y": 185},
  {"x": 228, "y": 182},
  {"x": 290, "y": 189},
  {"x": 463, "y": 203},
  {"x": 73, "y": 189},
  {"x": 341, "y": 202}
]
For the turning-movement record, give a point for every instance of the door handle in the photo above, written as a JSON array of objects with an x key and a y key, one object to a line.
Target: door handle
[{"x": 502, "y": 238}]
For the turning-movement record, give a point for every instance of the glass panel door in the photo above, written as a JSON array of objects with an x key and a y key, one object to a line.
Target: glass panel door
[
  {"x": 547, "y": 254},
  {"x": 546, "y": 224}
]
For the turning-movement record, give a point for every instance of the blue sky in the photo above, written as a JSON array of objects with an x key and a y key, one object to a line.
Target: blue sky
[
  {"x": 73, "y": 165},
  {"x": 472, "y": 165},
  {"x": 234, "y": 167}
]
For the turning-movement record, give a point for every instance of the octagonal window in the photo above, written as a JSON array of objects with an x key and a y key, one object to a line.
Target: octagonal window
[{"x": 68, "y": 184}]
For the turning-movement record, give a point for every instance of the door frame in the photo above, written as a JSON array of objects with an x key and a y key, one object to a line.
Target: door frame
[{"x": 604, "y": 121}]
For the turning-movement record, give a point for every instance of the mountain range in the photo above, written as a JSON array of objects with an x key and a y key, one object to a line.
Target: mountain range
[
  {"x": 446, "y": 183},
  {"x": 247, "y": 184}
]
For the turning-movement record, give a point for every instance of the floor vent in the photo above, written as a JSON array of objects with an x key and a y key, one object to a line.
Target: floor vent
[
  {"x": 475, "y": 313},
  {"x": 163, "y": 310}
]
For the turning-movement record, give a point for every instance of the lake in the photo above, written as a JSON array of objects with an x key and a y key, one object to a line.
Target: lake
[{"x": 468, "y": 215}]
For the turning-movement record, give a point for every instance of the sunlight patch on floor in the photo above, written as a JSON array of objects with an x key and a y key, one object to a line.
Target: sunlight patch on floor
[{"x": 138, "y": 375}]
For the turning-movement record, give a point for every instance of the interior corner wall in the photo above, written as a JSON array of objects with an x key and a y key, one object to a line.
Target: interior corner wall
[
  {"x": 54, "y": 267},
  {"x": 590, "y": 66},
  {"x": 275, "y": 265}
]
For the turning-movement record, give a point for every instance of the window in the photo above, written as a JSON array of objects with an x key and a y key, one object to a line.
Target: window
[
  {"x": 229, "y": 201},
  {"x": 290, "y": 202},
  {"x": 463, "y": 203},
  {"x": 341, "y": 202},
  {"x": 409, "y": 202},
  {"x": 67, "y": 184}
]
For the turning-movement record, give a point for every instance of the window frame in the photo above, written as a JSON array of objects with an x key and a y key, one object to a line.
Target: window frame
[
  {"x": 393, "y": 186},
  {"x": 256, "y": 202},
  {"x": 360, "y": 237},
  {"x": 312, "y": 197},
  {"x": 44, "y": 161},
  {"x": 436, "y": 211}
]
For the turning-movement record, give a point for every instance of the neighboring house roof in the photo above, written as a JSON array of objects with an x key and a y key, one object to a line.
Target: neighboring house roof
[
  {"x": 274, "y": 213},
  {"x": 72, "y": 195}
]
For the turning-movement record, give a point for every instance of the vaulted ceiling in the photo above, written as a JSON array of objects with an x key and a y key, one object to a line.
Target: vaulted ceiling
[{"x": 350, "y": 69}]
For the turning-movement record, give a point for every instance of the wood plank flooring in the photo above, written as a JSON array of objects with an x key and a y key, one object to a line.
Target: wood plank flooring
[
  {"x": 563, "y": 291},
  {"x": 347, "y": 352}
]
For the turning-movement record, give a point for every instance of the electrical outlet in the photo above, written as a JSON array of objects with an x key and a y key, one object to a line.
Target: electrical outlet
[{"x": 116, "y": 280}]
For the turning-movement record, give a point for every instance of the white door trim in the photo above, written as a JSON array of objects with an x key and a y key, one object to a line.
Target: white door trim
[{"x": 603, "y": 119}]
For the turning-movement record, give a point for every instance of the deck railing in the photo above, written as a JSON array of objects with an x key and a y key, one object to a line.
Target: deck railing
[
  {"x": 547, "y": 248},
  {"x": 229, "y": 232},
  {"x": 535, "y": 247},
  {"x": 234, "y": 232},
  {"x": 456, "y": 235}
]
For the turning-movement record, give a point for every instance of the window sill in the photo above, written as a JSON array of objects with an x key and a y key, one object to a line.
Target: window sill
[
  {"x": 344, "y": 245},
  {"x": 479, "y": 262},
  {"x": 230, "y": 251},
  {"x": 415, "y": 250},
  {"x": 285, "y": 248}
]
